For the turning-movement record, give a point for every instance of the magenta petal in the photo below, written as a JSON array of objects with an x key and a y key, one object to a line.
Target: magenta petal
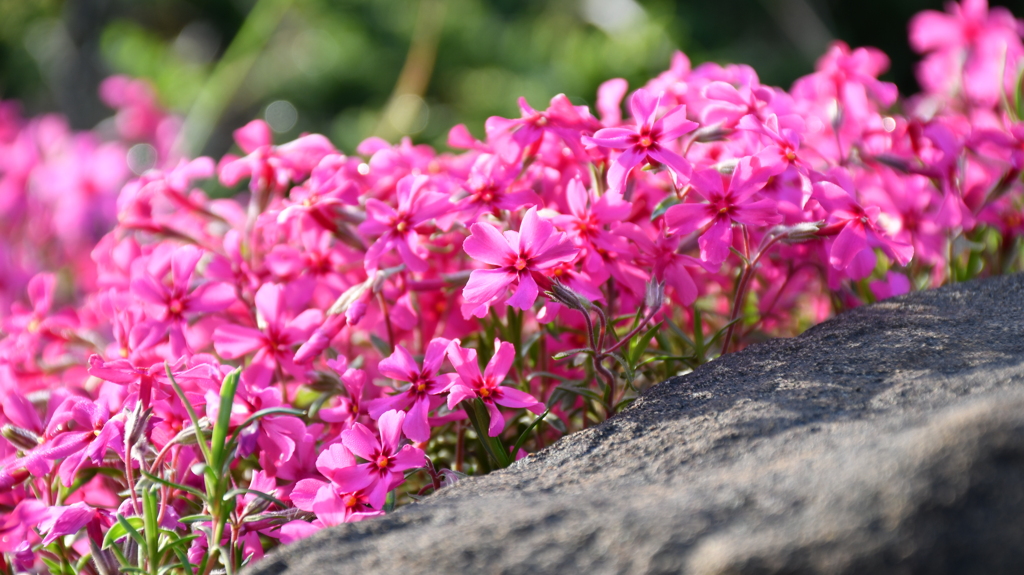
[
  {"x": 851, "y": 241},
  {"x": 399, "y": 365},
  {"x": 501, "y": 362},
  {"x": 512, "y": 397},
  {"x": 376, "y": 407},
  {"x": 497, "y": 424},
  {"x": 360, "y": 441},
  {"x": 253, "y": 136},
  {"x": 408, "y": 458},
  {"x": 233, "y": 341},
  {"x": 675, "y": 124},
  {"x": 724, "y": 91},
  {"x": 390, "y": 426},
  {"x": 525, "y": 294},
  {"x": 69, "y": 520},
  {"x": 459, "y": 393},
  {"x": 560, "y": 251},
  {"x": 760, "y": 213},
  {"x": 609, "y": 100},
  {"x": 183, "y": 263},
  {"x": 434, "y": 355},
  {"x": 644, "y": 105},
  {"x": 329, "y": 507},
  {"x": 715, "y": 243},
  {"x": 614, "y": 138},
  {"x": 464, "y": 361},
  {"x": 671, "y": 159},
  {"x": 708, "y": 183},
  {"x": 335, "y": 457},
  {"x": 618, "y": 172},
  {"x": 488, "y": 245},
  {"x": 117, "y": 371},
  {"x": 416, "y": 426},
  {"x": 687, "y": 218},
  {"x": 304, "y": 493},
  {"x": 270, "y": 303},
  {"x": 354, "y": 478},
  {"x": 485, "y": 285},
  {"x": 212, "y": 297}
]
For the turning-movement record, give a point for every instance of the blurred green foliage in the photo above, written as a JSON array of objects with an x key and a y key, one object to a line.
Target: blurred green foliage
[{"x": 339, "y": 63}]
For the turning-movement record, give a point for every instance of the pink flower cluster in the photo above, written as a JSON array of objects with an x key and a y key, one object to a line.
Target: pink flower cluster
[{"x": 186, "y": 380}]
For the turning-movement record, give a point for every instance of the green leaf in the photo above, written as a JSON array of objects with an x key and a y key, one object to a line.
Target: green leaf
[
  {"x": 523, "y": 437},
  {"x": 639, "y": 345},
  {"x": 150, "y": 515},
  {"x": 183, "y": 557},
  {"x": 382, "y": 346},
  {"x": 218, "y": 442},
  {"x": 241, "y": 491},
  {"x": 548, "y": 374},
  {"x": 663, "y": 206},
  {"x": 173, "y": 485},
  {"x": 581, "y": 391},
  {"x": 721, "y": 331},
  {"x": 263, "y": 413},
  {"x": 572, "y": 352},
  {"x": 125, "y": 526},
  {"x": 195, "y": 518},
  {"x": 191, "y": 414}
]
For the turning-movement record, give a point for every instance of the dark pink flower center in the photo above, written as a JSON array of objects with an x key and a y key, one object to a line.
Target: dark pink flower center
[
  {"x": 176, "y": 306},
  {"x": 520, "y": 264},
  {"x": 383, "y": 461}
]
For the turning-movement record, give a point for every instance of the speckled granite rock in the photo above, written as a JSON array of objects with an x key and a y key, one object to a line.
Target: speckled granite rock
[{"x": 887, "y": 440}]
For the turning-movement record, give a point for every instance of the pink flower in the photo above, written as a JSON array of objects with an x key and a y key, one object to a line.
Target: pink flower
[
  {"x": 345, "y": 498},
  {"x": 273, "y": 344},
  {"x": 512, "y": 139},
  {"x": 857, "y": 228},
  {"x": 385, "y": 460},
  {"x": 397, "y": 228},
  {"x": 425, "y": 384},
  {"x": 171, "y": 306},
  {"x": 726, "y": 204},
  {"x": 518, "y": 255},
  {"x": 488, "y": 385},
  {"x": 647, "y": 141},
  {"x": 79, "y": 431},
  {"x": 272, "y": 167},
  {"x": 966, "y": 47}
]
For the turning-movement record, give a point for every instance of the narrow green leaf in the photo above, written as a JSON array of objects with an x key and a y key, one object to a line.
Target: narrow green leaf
[
  {"x": 721, "y": 331},
  {"x": 571, "y": 353},
  {"x": 382, "y": 346},
  {"x": 117, "y": 531},
  {"x": 173, "y": 485},
  {"x": 581, "y": 391},
  {"x": 218, "y": 442},
  {"x": 663, "y": 206},
  {"x": 129, "y": 526},
  {"x": 241, "y": 491},
  {"x": 195, "y": 518},
  {"x": 641, "y": 343},
  {"x": 523, "y": 437},
  {"x": 183, "y": 557},
  {"x": 191, "y": 414},
  {"x": 537, "y": 374}
]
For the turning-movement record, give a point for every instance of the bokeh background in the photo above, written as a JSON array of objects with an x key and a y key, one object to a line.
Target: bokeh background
[{"x": 354, "y": 68}]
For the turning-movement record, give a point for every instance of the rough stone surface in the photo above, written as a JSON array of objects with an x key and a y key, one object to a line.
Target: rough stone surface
[{"x": 887, "y": 440}]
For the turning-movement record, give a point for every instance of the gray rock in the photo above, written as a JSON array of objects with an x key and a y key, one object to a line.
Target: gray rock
[{"x": 887, "y": 440}]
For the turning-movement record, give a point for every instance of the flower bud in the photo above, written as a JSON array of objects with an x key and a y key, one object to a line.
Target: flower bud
[{"x": 20, "y": 437}]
